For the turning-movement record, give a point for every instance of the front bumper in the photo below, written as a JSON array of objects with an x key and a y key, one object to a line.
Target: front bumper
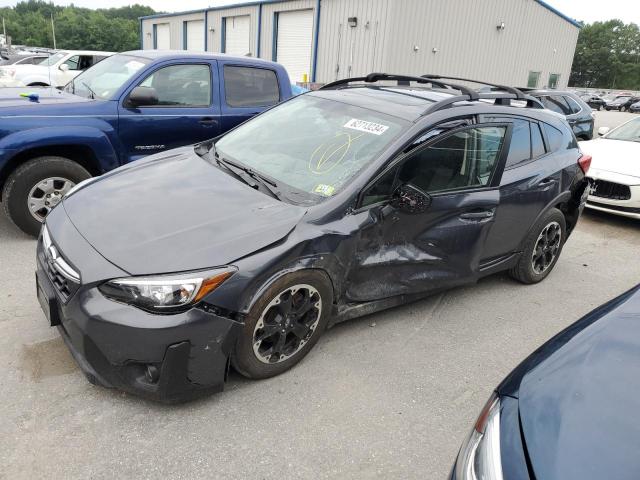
[
  {"x": 115, "y": 344},
  {"x": 627, "y": 208},
  {"x": 10, "y": 82}
]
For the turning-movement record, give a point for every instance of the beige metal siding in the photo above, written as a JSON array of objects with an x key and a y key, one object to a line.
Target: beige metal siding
[
  {"x": 268, "y": 11},
  {"x": 350, "y": 51},
  {"x": 214, "y": 26},
  {"x": 176, "y": 25},
  {"x": 468, "y": 42}
]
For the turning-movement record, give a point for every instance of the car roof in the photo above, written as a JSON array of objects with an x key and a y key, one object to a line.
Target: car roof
[
  {"x": 173, "y": 54},
  {"x": 410, "y": 103}
]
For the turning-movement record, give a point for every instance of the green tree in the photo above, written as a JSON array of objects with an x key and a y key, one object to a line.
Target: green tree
[
  {"x": 607, "y": 56},
  {"x": 110, "y": 29}
]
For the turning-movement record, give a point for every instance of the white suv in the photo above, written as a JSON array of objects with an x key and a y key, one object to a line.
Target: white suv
[{"x": 56, "y": 71}]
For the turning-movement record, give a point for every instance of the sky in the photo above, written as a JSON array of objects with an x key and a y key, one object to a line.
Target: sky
[{"x": 582, "y": 10}]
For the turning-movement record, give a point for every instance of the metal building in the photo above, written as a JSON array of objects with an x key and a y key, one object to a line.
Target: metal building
[{"x": 516, "y": 42}]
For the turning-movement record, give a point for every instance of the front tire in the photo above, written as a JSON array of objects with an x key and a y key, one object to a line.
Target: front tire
[
  {"x": 542, "y": 248},
  {"x": 37, "y": 186},
  {"x": 284, "y": 324}
]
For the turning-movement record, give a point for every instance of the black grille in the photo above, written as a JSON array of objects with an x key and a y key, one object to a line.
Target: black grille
[
  {"x": 611, "y": 190},
  {"x": 64, "y": 287}
]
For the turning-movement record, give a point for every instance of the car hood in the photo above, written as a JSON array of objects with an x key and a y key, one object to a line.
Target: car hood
[
  {"x": 176, "y": 212},
  {"x": 617, "y": 156},
  {"x": 579, "y": 405},
  {"x": 10, "y": 97}
]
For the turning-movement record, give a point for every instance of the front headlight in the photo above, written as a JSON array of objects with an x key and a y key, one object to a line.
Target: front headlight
[
  {"x": 166, "y": 294},
  {"x": 479, "y": 457}
]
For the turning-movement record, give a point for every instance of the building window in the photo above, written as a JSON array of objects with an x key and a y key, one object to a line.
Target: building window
[
  {"x": 534, "y": 78},
  {"x": 554, "y": 78}
]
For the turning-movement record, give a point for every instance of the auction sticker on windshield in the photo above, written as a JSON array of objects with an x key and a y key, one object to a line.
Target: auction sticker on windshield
[{"x": 367, "y": 127}]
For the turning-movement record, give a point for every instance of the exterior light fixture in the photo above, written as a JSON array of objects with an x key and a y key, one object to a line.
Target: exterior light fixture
[
  {"x": 500, "y": 26},
  {"x": 352, "y": 21}
]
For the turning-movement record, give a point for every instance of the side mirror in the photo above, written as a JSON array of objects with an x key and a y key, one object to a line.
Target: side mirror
[
  {"x": 142, "y": 96},
  {"x": 603, "y": 131},
  {"x": 64, "y": 67},
  {"x": 410, "y": 199}
]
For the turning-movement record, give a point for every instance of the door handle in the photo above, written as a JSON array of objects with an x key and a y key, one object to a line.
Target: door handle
[
  {"x": 207, "y": 121},
  {"x": 547, "y": 182},
  {"x": 477, "y": 215}
]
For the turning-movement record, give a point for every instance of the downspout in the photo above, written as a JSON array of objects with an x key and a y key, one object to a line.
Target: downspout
[
  {"x": 141, "y": 34},
  {"x": 184, "y": 35},
  {"x": 223, "y": 35},
  {"x": 316, "y": 39},
  {"x": 259, "y": 29},
  {"x": 206, "y": 29}
]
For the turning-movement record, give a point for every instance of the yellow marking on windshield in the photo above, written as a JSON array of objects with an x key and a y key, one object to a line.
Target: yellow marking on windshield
[{"x": 330, "y": 154}]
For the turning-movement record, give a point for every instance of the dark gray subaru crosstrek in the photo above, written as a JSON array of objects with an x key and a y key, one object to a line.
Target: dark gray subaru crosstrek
[{"x": 340, "y": 202}]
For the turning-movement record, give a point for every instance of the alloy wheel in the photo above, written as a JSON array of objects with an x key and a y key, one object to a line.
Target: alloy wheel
[
  {"x": 46, "y": 194},
  {"x": 287, "y": 323},
  {"x": 546, "y": 247}
]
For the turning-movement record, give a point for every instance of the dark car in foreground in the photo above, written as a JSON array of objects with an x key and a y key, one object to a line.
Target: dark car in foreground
[
  {"x": 123, "y": 108},
  {"x": 577, "y": 112},
  {"x": 622, "y": 103},
  {"x": 337, "y": 203},
  {"x": 570, "y": 410}
]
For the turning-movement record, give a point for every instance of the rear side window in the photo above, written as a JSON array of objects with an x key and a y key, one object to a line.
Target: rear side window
[
  {"x": 520, "y": 149},
  {"x": 250, "y": 87},
  {"x": 556, "y": 103},
  {"x": 554, "y": 136},
  {"x": 537, "y": 144}
]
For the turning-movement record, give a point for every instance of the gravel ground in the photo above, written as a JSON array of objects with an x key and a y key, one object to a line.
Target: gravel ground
[{"x": 390, "y": 395}]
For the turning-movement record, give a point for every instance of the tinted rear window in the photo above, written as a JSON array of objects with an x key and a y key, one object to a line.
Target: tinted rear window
[
  {"x": 520, "y": 149},
  {"x": 250, "y": 87},
  {"x": 537, "y": 144},
  {"x": 556, "y": 103},
  {"x": 554, "y": 136}
]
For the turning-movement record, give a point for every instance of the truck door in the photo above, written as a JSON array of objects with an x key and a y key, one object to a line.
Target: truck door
[{"x": 187, "y": 111}]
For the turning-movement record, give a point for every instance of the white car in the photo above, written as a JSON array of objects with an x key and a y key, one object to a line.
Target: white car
[
  {"x": 615, "y": 170},
  {"x": 56, "y": 71}
]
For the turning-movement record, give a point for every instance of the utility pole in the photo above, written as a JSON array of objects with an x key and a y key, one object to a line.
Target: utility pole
[
  {"x": 4, "y": 30},
  {"x": 53, "y": 30}
]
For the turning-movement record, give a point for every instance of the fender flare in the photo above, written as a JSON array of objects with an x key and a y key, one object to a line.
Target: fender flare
[
  {"x": 561, "y": 198},
  {"x": 35, "y": 138}
]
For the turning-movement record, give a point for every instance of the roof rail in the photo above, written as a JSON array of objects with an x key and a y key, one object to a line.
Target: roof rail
[
  {"x": 498, "y": 99},
  {"x": 512, "y": 90},
  {"x": 376, "y": 77}
]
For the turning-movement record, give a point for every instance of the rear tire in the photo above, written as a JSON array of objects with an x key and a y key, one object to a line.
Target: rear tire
[
  {"x": 21, "y": 190},
  {"x": 542, "y": 248},
  {"x": 276, "y": 336}
]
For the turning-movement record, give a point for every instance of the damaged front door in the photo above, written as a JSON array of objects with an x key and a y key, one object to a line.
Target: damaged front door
[{"x": 404, "y": 250}]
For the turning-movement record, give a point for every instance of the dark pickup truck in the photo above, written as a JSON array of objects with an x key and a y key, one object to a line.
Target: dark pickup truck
[{"x": 126, "y": 107}]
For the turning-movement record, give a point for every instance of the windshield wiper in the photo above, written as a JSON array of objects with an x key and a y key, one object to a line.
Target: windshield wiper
[
  {"x": 93, "y": 94},
  {"x": 254, "y": 179}
]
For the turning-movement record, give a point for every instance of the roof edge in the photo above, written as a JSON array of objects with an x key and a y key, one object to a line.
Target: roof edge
[
  {"x": 213, "y": 9},
  {"x": 572, "y": 21}
]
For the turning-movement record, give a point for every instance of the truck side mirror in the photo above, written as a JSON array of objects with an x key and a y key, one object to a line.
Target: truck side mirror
[
  {"x": 410, "y": 199},
  {"x": 142, "y": 97}
]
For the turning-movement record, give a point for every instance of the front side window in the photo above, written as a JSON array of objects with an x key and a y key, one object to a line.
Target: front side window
[
  {"x": 181, "y": 85},
  {"x": 463, "y": 159},
  {"x": 556, "y": 104},
  {"x": 312, "y": 144},
  {"x": 250, "y": 87}
]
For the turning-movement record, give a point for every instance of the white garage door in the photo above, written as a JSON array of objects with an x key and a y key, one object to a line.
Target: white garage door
[
  {"x": 237, "y": 35},
  {"x": 195, "y": 35},
  {"x": 163, "y": 36},
  {"x": 293, "y": 50}
]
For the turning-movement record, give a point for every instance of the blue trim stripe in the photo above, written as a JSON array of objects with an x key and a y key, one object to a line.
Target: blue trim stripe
[
  {"x": 155, "y": 36},
  {"x": 274, "y": 40},
  {"x": 259, "y": 30},
  {"x": 316, "y": 41},
  {"x": 141, "y": 33},
  {"x": 223, "y": 35},
  {"x": 206, "y": 31},
  {"x": 184, "y": 35},
  {"x": 573, "y": 22}
]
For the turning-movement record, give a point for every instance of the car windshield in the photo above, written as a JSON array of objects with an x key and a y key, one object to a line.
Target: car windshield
[
  {"x": 52, "y": 59},
  {"x": 106, "y": 77},
  {"x": 313, "y": 145},
  {"x": 630, "y": 131}
]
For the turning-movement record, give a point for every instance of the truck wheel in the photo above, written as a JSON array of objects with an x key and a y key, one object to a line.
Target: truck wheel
[
  {"x": 37, "y": 186},
  {"x": 542, "y": 248}
]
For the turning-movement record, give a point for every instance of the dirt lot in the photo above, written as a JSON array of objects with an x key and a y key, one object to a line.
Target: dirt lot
[{"x": 387, "y": 396}]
